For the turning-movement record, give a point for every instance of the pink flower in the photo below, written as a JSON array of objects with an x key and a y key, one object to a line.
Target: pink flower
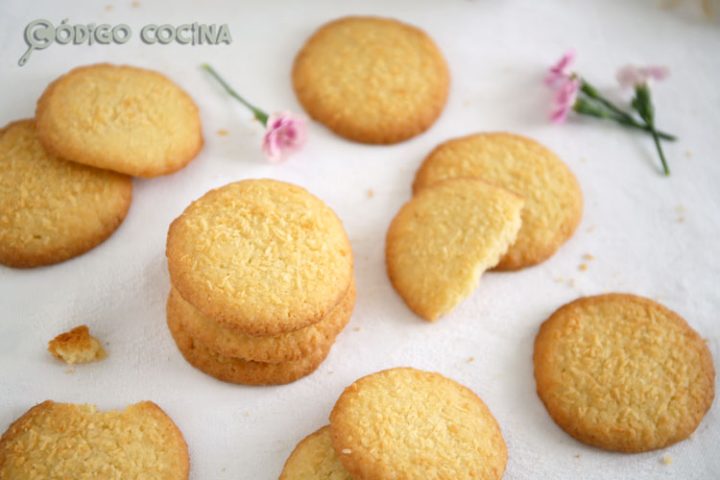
[
  {"x": 558, "y": 74},
  {"x": 631, "y": 76},
  {"x": 565, "y": 100},
  {"x": 285, "y": 133}
]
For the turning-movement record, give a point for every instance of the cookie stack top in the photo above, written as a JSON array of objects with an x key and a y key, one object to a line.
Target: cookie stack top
[{"x": 262, "y": 257}]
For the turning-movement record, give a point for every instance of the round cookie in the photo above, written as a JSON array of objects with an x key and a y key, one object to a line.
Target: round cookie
[
  {"x": 410, "y": 424},
  {"x": 120, "y": 118},
  {"x": 63, "y": 440},
  {"x": 52, "y": 210},
  {"x": 553, "y": 200},
  {"x": 444, "y": 238},
  {"x": 236, "y": 370},
  {"x": 371, "y": 79},
  {"x": 314, "y": 458},
  {"x": 272, "y": 349},
  {"x": 623, "y": 373},
  {"x": 260, "y": 256}
]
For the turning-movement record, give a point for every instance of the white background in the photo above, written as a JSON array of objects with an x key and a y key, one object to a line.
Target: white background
[{"x": 649, "y": 235}]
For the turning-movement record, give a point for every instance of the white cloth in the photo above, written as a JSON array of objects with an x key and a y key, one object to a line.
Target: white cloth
[{"x": 648, "y": 234}]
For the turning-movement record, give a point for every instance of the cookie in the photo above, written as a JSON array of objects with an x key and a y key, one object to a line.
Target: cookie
[
  {"x": 442, "y": 240},
  {"x": 236, "y": 370},
  {"x": 314, "y": 458},
  {"x": 62, "y": 440},
  {"x": 260, "y": 256},
  {"x": 273, "y": 349},
  {"x": 76, "y": 346},
  {"x": 410, "y": 424},
  {"x": 120, "y": 118},
  {"x": 371, "y": 79},
  {"x": 52, "y": 210},
  {"x": 553, "y": 200},
  {"x": 623, "y": 373}
]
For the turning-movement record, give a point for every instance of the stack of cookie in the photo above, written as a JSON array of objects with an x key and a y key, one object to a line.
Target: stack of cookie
[
  {"x": 262, "y": 282},
  {"x": 403, "y": 423},
  {"x": 492, "y": 200},
  {"x": 65, "y": 182}
]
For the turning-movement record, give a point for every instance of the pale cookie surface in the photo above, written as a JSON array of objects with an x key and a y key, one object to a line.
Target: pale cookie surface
[
  {"x": 120, "y": 118},
  {"x": 52, "y": 210},
  {"x": 371, "y": 79},
  {"x": 553, "y": 200},
  {"x": 314, "y": 459},
  {"x": 271, "y": 349},
  {"x": 236, "y": 370},
  {"x": 260, "y": 256},
  {"x": 623, "y": 373},
  {"x": 442, "y": 240},
  {"x": 410, "y": 424},
  {"x": 76, "y": 346},
  {"x": 59, "y": 441}
]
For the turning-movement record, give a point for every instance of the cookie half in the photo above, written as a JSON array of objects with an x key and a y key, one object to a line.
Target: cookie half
[
  {"x": 444, "y": 238},
  {"x": 52, "y": 210},
  {"x": 314, "y": 458},
  {"x": 120, "y": 118},
  {"x": 260, "y": 256},
  {"x": 553, "y": 199},
  {"x": 623, "y": 373},
  {"x": 237, "y": 370},
  {"x": 272, "y": 349},
  {"x": 371, "y": 79},
  {"x": 412, "y": 424},
  {"x": 63, "y": 440}
]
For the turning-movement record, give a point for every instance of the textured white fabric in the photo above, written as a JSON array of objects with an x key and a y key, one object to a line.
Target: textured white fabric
[{"x": 648, "y": 234}]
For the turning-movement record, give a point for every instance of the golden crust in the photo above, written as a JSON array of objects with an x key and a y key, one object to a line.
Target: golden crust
[
  {"x": 260, "y": 256},
  {"x": 314, "y": 458},
  {"x": 553, "y": 199},
  {"x": 371, "y": 79},
  {"x": 444, "y": 238},
  {"x": 54, "y": 441},
  {"x": 52, "y": 210},
  {"x": 76, "y": 346},
  {"x": 120, "y": 118},
  {"x": 272, "y": 349},
  {"x": 236, "y": 370},
  {"x": 410, "y": 424},
  {"x": 623, "y": 373}
]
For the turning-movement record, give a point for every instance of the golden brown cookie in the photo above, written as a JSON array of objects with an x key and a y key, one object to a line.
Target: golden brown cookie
[
  {"x": 236, "y": 370},
  {"x": 55, "y": 441},
  {"x": 372, "y": 79},
  {"x": 121, "y": 118},
  {"x": 52, "y": 210},
  {"x": 272, "y": 349},
  {"x": 260, "y": 256},
  {"x": 76, "y": 346},
  {"x": 314, "y": 459},
  {"x": 410, "y": 424},
  {"x": 444, "y": 238},
  {"x": 623, "y": 373},
  {"x": 553, "y": 200}
]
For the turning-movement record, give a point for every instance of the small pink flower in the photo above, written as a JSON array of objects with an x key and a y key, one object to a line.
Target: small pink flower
[
  {"x": 285, "y": 133},
  {"x": 631, "y": 76},
  {"x": 558, "y": 74},
  {"x": 565, "y": 100}
]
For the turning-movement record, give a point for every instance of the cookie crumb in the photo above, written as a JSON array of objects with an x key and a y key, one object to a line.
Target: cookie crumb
[
  {"x": 590, "y": 229},
  {"x": 76, "y": 346},
  {"x": 222, "y": 132},
  {"x": 583, "y": 267},
  {"x": 370, "y": 193},
  {"x": 688, "y": 153},
  {"x": 588, "y": 257},
  {"x": 577, "y": 455},
  {"x": 346, "y": 451},
  {"x": 666, "y": 460},
  {"x": 570, "y": 282},
  {"x": 356, "y": 329},
  {"x": 135, "y": 4},
  {"x": 470, "y": 359},
  {"x": 108, "y": 8}
]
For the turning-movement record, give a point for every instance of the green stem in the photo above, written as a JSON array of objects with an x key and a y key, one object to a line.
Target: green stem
[
  {"x": 640, "y": 126},
  {"x": 261, "y": 116},
  {"x": 642, "y": 104},
  {"x": 666, "y": 169}
]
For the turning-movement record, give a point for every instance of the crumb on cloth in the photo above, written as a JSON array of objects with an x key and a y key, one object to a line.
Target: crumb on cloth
[{"x": 76, "y": 346}]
